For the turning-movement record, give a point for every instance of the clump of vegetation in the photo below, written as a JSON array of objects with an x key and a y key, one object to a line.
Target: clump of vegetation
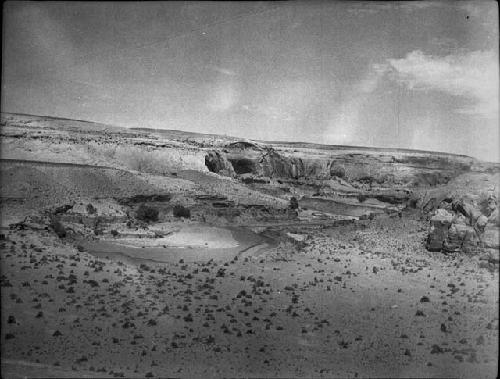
[
  {"x": 362, "y": 198},
  {"x": 181, "y": 211},
  {"x": 58, "y": 228},
  {"x": 294, "y": 203},
  {"x": 91, "y": 209},
  {"x": 366, "y": 179},
  {"x": 114, "y": 232},
  {"x": 337, "y": 171},
  {"x": 147, "y": 213}
]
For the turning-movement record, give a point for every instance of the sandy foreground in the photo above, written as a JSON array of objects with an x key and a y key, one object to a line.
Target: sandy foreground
[{"x": 365, "y": 302}]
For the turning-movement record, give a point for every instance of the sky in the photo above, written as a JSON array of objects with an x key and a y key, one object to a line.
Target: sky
[{"x": 419, "y": 75}]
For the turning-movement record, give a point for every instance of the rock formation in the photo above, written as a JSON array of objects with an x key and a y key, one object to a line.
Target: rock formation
[
  {"x": 462, "y": 226},
  {"x": 218, "y": 163},
  {"x": 367, "y": 168}
]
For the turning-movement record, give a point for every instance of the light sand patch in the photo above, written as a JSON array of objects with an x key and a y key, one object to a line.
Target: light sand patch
[{"x": 189, "y": 236}]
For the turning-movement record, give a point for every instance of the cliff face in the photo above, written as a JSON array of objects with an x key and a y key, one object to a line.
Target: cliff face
[
  {"x": 246, "y": 158},
  {"x": 367, "y": 167}
]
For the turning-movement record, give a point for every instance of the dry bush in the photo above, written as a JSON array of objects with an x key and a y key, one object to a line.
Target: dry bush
[
  {"x": 337, "y": 171},
  {"x": 181, "y": 211},
  {"x": 147, "y": 213},
  {"x": 294, "y": 203},
  {"x": 91, "y": 209},
  {"x": 58, "y": 228}
]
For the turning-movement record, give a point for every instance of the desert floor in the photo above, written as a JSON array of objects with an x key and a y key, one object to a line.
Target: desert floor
[{"x": 355, "y": 302}]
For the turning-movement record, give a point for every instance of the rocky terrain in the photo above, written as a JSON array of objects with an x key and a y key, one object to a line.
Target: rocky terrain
[{"x": 158, "y": 253}]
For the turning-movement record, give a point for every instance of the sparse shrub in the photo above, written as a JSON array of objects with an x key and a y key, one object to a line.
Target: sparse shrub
[
  {"x": 337, "y": 171},
  {"x": 366, "y": 179},
  {"x": 91, "y": 209},
  {"x": 58, "y": 228},
  {"x": 181, "y": 211},
  {"x": 362, "y": 198},
  {"x": 114, "y": 233},
  {"x": 294, "y": 203},
  {"x": 147, "y": 213}
]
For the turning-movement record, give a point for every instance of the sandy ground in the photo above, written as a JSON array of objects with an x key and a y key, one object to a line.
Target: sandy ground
[
  {"x": 366, "y": 303},
  {"x": 190, "y": 243},
  {"x": 190, "y": 236}
]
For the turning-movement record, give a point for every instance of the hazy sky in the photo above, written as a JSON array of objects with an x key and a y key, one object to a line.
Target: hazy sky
[{"x": 418, "y": 75}]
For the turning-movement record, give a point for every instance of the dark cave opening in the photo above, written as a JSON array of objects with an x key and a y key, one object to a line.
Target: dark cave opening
[{"x": 242, "y": 166}]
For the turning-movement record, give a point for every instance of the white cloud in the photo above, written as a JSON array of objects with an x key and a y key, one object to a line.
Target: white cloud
[{"x": 473, "y": 75}]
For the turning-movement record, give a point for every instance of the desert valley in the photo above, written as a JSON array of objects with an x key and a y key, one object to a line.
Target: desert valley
[{"x": 162, "y": 253}]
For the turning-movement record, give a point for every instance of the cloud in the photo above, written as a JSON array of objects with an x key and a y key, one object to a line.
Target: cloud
[{"x": 473, "y": 75}]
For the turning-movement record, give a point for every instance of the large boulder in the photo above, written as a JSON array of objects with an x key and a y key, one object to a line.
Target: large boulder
[
  {"x": 438, "y": 232},
  {"x": 461, "y": 237}
]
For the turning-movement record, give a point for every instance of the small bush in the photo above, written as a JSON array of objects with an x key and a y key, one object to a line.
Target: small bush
[
  {"x": 366, "y": 179},
  {"x": 91, "y": 209},
  {"x": 294, "y": 203},
  {"x": 362, "y": 198},
  {"x": 114, "y": 233},
  {"x": 180, "y": 211},
  {"x": 58, "y": 228},
  {"x": 337, "y": 171},
  {"x": 147, "y": 213}
]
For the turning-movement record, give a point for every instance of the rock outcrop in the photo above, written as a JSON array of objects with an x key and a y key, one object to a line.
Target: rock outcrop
[
  {"x": 370, "y": 168},
  {"x": 218, "y": 163},
  {"x": 463, "y": 226},
  {"x": 438, "y": 232},
  {"x": 249, "y": 158}
]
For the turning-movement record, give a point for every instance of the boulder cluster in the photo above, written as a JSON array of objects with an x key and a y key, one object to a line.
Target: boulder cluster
[{"x": 465, "y": 225}]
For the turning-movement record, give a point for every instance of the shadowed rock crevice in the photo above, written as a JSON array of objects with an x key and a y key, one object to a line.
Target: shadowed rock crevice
[{"x": 243, "y": 166}]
